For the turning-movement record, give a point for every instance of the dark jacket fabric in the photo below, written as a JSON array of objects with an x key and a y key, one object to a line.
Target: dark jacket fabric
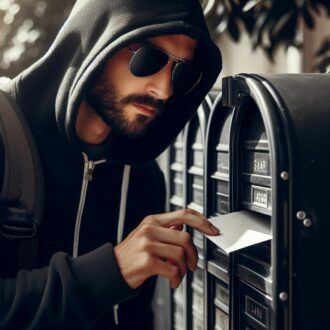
[{"x": 66, "y": 291}]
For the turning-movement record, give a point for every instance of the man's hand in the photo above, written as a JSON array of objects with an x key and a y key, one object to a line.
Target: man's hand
[{"x": 156, "y": 247}]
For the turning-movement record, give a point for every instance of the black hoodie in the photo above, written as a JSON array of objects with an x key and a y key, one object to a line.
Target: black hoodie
[{"x": 78, "y": 281}]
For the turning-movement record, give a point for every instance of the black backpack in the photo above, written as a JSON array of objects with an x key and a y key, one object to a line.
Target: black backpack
[{"x": 22, "y": 188}]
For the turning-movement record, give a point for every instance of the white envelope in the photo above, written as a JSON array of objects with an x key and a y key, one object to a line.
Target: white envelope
[{"x": 240, "y": 229}]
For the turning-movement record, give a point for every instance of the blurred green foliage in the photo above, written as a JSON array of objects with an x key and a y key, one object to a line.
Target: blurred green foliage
[
  {"x": 270, "y": 23},
  {"x": 27, "y": 28}
]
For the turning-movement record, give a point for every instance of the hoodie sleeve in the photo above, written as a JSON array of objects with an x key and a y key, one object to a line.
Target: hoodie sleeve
[{"x": 69, "y": 292}]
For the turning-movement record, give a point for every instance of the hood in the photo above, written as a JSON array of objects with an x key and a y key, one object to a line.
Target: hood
[{"x": 50, "y": 91}]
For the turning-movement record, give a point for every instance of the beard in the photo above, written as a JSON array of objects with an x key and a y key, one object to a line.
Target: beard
[{"x": 109, "y": 105}]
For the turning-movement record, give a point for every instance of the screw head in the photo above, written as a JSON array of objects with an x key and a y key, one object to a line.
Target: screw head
[
  {"x": 307, "y": 223},
  {"x": 301, "y": 215},
  {"x": 283, "y": 296},
  {"x": 285, "y": 175}
]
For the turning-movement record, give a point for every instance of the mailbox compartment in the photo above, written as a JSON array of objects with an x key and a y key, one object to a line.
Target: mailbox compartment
[
  {"x": 176, "y": 187},
  {"x": 197, "y": 295},
  {"x": 220, "y": 304},
  {"x": 176, "y": 173},
  {"x": 221, "y": 320},
  {"x": 179, "y": 317},
  {"x": 221, "y": 295},
  {"x": 195, "y": 168},
  {"x": 179, "y": 307},
  {"x": 254, "y": 266},
  {"x": 254, "y": 161},
  {"x": 219, "y": 164},
  {"x": 197, "y": 190},
  {"x": 217, "y": 190},
  {"x": 254, "y": 307}
]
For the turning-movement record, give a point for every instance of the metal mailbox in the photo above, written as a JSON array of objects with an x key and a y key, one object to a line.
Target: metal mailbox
[
  {"x": 265, "y": 150},
  {"x": 278, "y": 167}
]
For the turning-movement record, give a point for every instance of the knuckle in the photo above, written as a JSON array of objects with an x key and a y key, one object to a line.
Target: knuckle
[
  {"x": 188, "y": 211},
  {"x": 149, "y": 219},
  {"x": 145, "y": 229}
]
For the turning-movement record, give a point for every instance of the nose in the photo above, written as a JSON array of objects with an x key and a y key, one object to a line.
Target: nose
[{"x": 159, "y": 84}]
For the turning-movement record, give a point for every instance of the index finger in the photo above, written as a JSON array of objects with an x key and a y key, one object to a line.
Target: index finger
[{"x": 188, "y": 217}]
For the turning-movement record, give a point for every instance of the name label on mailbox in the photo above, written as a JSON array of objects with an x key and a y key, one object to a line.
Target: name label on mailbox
[
  {"x": 221, "y": 319},
  {"x": 260, "y": 197},
  {"x": 260, "y": 165},
  {"x": 256, "y": 310},
  {"x": 222, "y": 294}
]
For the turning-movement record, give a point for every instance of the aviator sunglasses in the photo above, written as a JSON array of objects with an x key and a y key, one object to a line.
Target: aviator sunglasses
[{"x": 148, "y": 60}]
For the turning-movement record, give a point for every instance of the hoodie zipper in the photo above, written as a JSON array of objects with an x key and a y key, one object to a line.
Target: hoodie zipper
[
  {"x": 89, "y": 166},
  {"x": 121, "y": 222}
]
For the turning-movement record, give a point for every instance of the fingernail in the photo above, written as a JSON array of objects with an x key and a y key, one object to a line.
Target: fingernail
[{"x": 215, "y": 230}]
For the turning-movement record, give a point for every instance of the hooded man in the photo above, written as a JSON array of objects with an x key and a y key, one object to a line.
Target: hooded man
[{"x": 118, "y": 84}]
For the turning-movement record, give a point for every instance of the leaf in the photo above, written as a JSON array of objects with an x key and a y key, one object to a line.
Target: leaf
[
  {"x": 233, "y": 29},
  {"x": 250, "y": 4},
  {"x": 249, "y": 23},
  {"x": 307, "y": 17},
  {"x": 259, "y": 28},
  {"x": 222, "y": 27},
  {"x": 282, "y": 23},
  {"x": 324, "y": 48}
]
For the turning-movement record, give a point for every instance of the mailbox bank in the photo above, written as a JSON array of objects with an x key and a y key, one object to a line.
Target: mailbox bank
[{"x": 261, "y": 146}]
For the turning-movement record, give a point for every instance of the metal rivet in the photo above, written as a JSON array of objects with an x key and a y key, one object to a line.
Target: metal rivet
[
  {"x": 301, "y": 215},
  {"x": 285, "y": 175},
  {"x": 283, "y": 296},
  {"x": 307, "y": 222}
]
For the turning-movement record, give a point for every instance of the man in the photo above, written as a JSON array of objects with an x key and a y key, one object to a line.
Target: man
[{"x": 119, "y": 83}]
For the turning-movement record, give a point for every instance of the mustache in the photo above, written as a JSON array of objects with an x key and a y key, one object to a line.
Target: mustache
[{"x": 147, "y": 100}]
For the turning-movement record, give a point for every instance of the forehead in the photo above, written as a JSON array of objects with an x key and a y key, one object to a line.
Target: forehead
[{"x": 178, "y": 45}]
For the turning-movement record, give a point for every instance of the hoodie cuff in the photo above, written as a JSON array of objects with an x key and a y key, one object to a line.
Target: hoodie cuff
[{"x": 99, "y": 274}]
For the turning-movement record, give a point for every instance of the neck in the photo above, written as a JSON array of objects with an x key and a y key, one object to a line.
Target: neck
[{"x": 90, "y": 127}]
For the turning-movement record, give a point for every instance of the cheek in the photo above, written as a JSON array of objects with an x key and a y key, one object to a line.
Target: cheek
[
  {"x": 124, "y": 82},
  {"x": 127, "y": 84}
]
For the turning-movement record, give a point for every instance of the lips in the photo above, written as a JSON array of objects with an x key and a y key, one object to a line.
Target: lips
[{"x": 148, "y": 111}]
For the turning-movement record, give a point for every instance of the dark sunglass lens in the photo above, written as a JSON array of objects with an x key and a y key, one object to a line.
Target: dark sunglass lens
[
  {"x": 147, "y": 61},
  {"x": 185, "y": 77}
]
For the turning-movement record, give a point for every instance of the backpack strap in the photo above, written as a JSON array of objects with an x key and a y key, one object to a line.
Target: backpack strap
[{"x": 22, "y": 189}]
